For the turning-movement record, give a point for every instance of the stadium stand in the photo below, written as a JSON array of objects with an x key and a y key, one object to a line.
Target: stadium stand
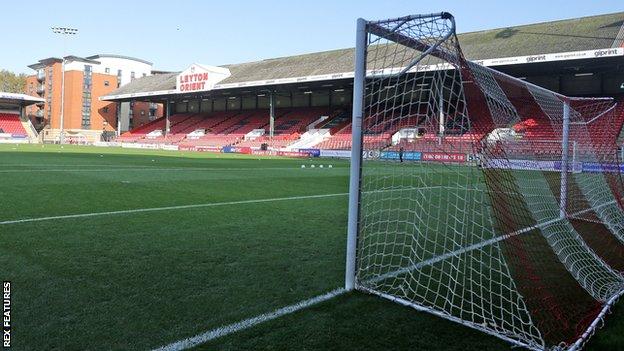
[
  {"x": 10, "y": 123},
  {"x": 433, "y": 143},
  {"x": 289, "y": 125},
  {"x": 378, "y": 134},
  {"x": 227, "y": 128}
]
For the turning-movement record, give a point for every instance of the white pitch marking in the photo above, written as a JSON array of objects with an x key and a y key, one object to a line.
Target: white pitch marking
[
  {"x": 69, "y": 165},
  {"x": 247, "y": 323},
  {"x": 209, "y": 204},
  {"x": 143, "y": 169},
  {"x": 154, "y": 209}
]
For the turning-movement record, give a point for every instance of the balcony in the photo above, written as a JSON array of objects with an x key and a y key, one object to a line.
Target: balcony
[
  {"x": 41, "y": 76},
  {"x": 40, "y": 89}
]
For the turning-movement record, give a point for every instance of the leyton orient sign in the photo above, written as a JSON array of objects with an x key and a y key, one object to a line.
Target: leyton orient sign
[{"x": 200, "y": 78}]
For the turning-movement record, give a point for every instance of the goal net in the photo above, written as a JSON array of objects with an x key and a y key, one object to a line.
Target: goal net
[{"x": 479, "y": 197}]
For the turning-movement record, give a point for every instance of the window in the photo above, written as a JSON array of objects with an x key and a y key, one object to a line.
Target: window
[
  {"x": 105, "y": 109},
  {"x": 106, "y": 83},
  {"x": 144, "y": 74},
  {"x": 106, "y": 70},
  {"x": 131, "y": 75},
  {"x": 86, "y": 97}
]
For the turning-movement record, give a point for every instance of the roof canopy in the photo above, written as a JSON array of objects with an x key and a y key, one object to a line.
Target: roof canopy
[
  {"x": 19, "y": 99},
  {"x": 580, "y": 38}
]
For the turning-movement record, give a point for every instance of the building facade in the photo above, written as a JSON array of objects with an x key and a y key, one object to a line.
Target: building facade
[{"x": 86, "y": 80}]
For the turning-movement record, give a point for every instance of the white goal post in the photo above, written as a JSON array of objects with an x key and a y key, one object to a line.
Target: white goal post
[{"x": 504, "y": 213}]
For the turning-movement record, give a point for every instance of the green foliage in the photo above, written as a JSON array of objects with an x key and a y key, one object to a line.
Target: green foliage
[{"x": 11, "y": 82}]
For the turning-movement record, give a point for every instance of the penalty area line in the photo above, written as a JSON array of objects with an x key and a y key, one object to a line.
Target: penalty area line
[
  {"x": 248, "y": 323},
  {"x": 181, "y": 207}
]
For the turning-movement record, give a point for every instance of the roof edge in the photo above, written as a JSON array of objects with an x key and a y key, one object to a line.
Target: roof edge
[
  {"x": 97, "y": 56},
  {"x": 542, "y": 22}
]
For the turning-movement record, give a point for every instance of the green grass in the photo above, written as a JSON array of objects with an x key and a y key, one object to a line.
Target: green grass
[{"x": 137, "y": 281}]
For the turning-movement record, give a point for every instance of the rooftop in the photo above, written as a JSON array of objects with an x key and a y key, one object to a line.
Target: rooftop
[
  {"x": 95, "y": 57},
  {"x": 578, "y": 34},
  {"x": 89, "y": 59},
  {"x": 19, "y": 99}
]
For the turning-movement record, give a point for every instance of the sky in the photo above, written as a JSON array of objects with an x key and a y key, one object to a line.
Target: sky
[{"x": 176, "y": 33}]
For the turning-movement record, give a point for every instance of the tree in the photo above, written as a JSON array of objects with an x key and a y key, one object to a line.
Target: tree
[{"x": 11, "y": 82}]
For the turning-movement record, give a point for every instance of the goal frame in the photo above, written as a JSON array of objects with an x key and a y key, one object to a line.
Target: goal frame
[{"x": 355, "y": 178}]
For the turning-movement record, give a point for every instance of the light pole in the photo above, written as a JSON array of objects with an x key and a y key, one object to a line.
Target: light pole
[{"x": 64, "y": 32}]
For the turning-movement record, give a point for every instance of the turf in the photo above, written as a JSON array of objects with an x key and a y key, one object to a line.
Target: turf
[{"x": 136, "y": 281}]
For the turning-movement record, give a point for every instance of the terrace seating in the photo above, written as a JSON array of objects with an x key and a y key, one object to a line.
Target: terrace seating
[
  {"x": 212, "y": 140},
  {"x": 10, "y": 123},
  {"x": 227, "y": 128},
  {"x": 432, "y": 143},
  {"x": 336, "y": 122},
  {"x": 296, "y": 120},
  {"x": 278, "y": 141},
  {"x": 289, "y": 123},
  {"x": 140, "y": 134},
  {"x": 343, "y": 142}
]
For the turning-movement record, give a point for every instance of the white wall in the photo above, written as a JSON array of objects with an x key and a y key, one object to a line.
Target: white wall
[{"x": 127, "y": 66}]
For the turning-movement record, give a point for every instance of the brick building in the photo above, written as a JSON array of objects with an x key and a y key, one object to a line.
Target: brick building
[{"x": 86, "y": 80}]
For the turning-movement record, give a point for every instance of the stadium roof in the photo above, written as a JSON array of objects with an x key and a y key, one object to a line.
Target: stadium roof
[
  {"x": 19, "y": 99},
  {"x": 49, "y": 60},
  {"x": 95, "y": 57},
  {"x": 89, "y": 59},
  {"x": 563, "y": 36}
]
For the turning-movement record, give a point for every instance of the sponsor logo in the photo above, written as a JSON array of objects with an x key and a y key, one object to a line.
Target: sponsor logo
[
  {"x": 311, "y": 152},
  {"x": 407, "y": 156},
  {"x": 233, "y": 149},
  {"x": 443, "y": 157},
  {"x": 292, "y": 154},
  {"x": 595, "y": 167},
  {"x": 370, "y": 154},
  {"x": 605, "y": 52},
  {"x": 521, "y": 165},
  {"x": 336, "y": 153},
  {"x": 536, "y": 58}
]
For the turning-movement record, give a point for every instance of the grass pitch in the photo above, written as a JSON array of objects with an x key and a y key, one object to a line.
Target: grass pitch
[{"x": 140, "y": 280}]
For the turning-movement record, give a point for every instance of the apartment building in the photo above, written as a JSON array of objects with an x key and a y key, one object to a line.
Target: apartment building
[{"x": 85, "y": 80}]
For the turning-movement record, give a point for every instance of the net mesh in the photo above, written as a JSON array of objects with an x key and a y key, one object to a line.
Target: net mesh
[{"x": 463, "y": 208}]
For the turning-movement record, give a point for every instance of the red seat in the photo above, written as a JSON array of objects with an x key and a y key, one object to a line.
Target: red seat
[{"x": 10, "y": 123}]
